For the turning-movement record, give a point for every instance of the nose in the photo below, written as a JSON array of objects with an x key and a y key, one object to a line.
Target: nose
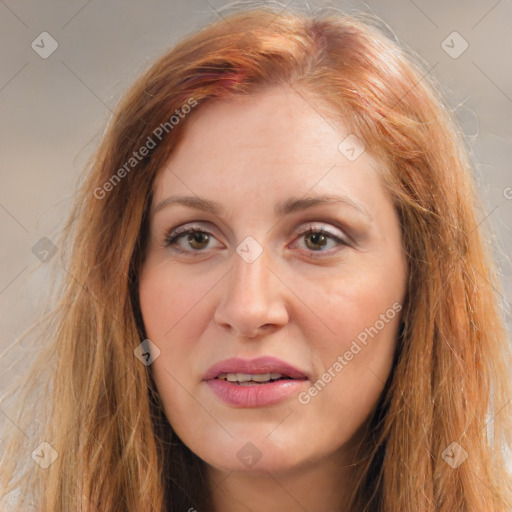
[{"x": 253, "y": 300}]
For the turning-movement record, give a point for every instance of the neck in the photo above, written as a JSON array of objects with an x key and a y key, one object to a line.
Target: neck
[{"x": 322, "y": 487}]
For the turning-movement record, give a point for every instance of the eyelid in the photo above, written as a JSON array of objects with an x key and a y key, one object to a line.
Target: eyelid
[{"x": 317, "y": 226}]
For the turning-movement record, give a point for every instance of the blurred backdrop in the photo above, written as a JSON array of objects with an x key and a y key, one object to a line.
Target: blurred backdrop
[{"x": 64, "y": 65}]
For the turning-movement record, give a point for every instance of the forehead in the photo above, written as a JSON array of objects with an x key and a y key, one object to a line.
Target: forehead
[{"x": 275, "y": 142}]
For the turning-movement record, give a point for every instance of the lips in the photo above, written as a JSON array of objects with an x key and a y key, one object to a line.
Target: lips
[
  {"x": 261, "y": 365},
  {"x": 289, "y": 381}
]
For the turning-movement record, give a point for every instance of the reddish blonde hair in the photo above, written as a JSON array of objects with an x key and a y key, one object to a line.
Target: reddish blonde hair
[{"x": 450, "y": 373}]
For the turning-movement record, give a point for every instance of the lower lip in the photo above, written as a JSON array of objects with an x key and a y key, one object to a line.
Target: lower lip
[{"x": 255, "y": 395}]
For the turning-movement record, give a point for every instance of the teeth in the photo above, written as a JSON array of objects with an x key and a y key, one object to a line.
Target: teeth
[
  {"x": 245, "y": 378},
  {"x": 260, "y": 378}
]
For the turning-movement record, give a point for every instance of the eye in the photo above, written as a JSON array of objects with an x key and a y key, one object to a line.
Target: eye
[
  {"x": 317, "y": 238},
  {"x": 196, "y": 239}
]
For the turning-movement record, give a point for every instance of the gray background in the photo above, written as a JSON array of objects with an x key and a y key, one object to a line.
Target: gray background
[{"x": 53, "y": 110}]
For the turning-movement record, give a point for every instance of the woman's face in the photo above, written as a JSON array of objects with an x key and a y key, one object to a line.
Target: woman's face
[{"x": 253, "y": 283}]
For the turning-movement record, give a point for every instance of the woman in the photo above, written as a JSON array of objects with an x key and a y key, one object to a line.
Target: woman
[{"x": 278, "y": 295}]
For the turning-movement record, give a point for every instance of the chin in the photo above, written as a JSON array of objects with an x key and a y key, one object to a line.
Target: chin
[{"x": 254, "y": 457}]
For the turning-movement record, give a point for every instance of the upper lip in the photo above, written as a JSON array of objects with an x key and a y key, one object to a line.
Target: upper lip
[{"x": 260, "y": 365}]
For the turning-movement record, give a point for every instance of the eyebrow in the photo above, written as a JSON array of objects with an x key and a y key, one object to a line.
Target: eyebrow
[{"x": 290, "y": 205}]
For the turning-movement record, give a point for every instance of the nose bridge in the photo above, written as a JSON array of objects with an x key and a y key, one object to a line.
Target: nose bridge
[
  {"x": 251, "y": 297},
  {"x": 250, "y": 276}
]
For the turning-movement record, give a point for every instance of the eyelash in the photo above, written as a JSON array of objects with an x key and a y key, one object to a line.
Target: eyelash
[{"x": 174, "y": 235}]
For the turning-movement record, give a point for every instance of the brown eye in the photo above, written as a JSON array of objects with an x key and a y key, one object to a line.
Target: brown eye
[
  {"x": 317, "y": 240},
  {"x": 199, "y": 238},
  {"x": 188, "y": 240}
]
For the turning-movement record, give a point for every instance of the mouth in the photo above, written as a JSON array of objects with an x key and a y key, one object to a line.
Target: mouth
[
  {"x": 261, "y": 370},
  {"x": 254, "y": 379},
  {"x": 252, "y": 390},
  {"x": 258, "y": 382}
]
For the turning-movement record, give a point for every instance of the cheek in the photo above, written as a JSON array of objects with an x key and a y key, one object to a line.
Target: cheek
[
  {"x": 164, "y": 314},
  {"x": 166, "y": 299},
  {"x": 354, "y": 338},
  {"x": 348, "y": 306},
  {"x": 173, "y": 314}
]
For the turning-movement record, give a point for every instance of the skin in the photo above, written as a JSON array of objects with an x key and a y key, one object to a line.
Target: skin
[{"x": 300, "y": 300}]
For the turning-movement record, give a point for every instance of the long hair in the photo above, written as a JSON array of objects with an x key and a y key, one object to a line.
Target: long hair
[{"x": 436, "y": 440}]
